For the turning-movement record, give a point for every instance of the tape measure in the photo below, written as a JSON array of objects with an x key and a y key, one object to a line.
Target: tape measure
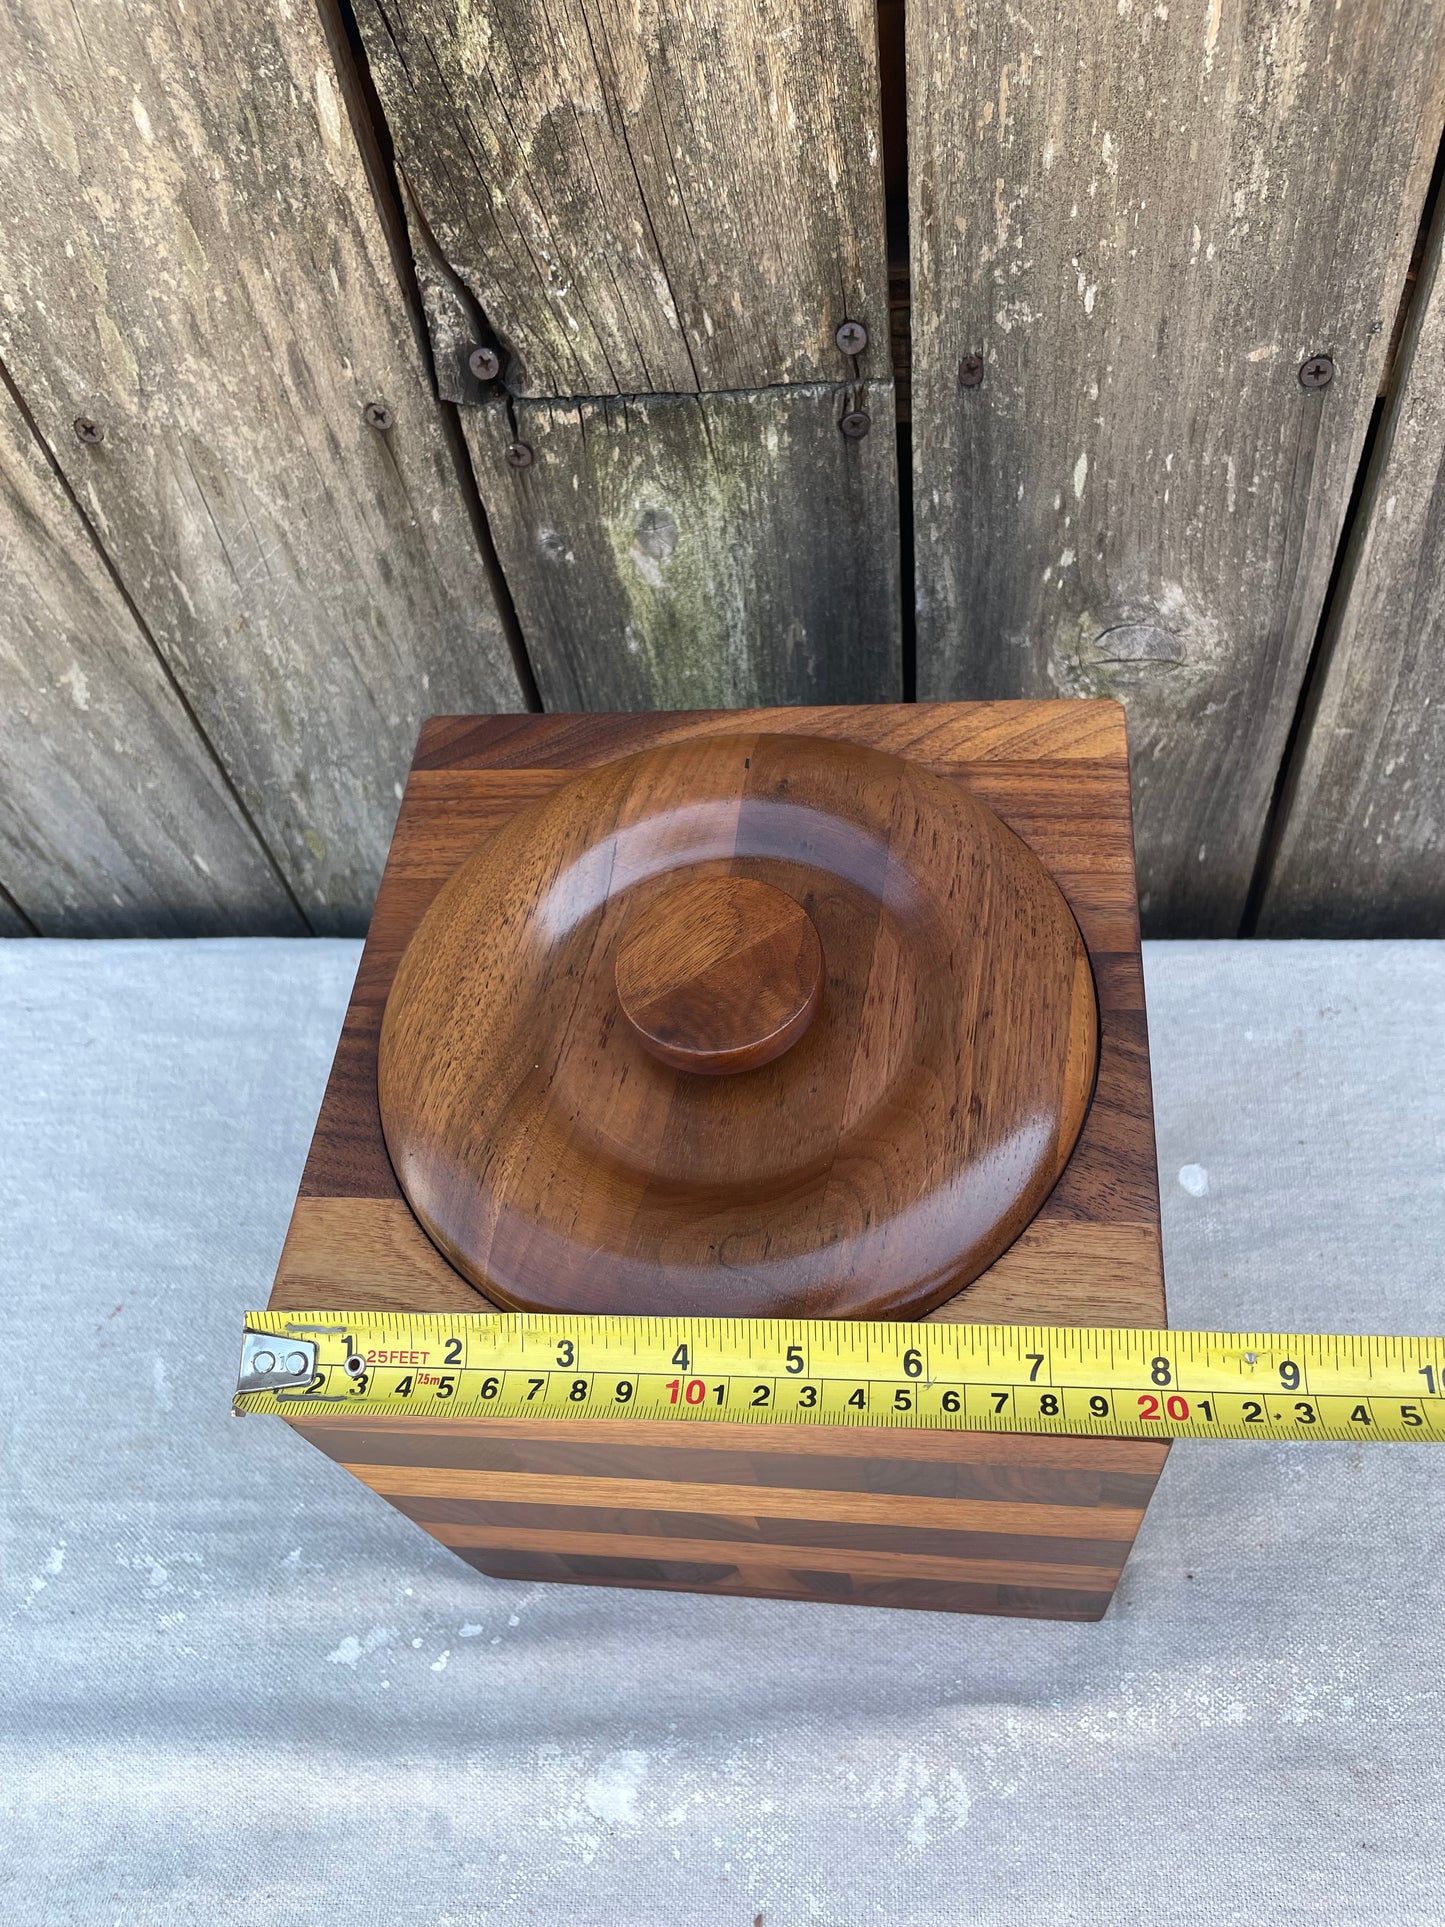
[{"x": 975, "y": 1378}]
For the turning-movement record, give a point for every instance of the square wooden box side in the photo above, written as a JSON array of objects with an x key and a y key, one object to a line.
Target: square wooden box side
[{"x": 953, "y": 1521}]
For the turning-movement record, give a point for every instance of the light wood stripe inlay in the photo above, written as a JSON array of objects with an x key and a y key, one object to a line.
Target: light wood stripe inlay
[
  {"x": 779, "y": 1502},
  {"x": 985, "y": 1572}
]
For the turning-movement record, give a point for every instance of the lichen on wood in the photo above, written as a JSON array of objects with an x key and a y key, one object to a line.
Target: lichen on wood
[{"x": 698, "y": 551}]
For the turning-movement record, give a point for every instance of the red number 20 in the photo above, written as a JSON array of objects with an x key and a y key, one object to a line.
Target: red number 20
[{"x": 1174, "y": 1407}]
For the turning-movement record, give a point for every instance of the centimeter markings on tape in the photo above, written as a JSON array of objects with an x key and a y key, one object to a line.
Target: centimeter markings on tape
[{"x": 995, "y": 1378}]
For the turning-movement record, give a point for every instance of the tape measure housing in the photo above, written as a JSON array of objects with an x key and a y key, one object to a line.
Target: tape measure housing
[{"x": 1091, "y": 1382}]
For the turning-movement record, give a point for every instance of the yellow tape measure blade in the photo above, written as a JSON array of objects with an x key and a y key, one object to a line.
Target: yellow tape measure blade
[{"x": 1085, "y": 1381}]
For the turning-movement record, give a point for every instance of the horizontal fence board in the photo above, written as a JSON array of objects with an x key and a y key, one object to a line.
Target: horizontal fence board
[
  {"x": 645, "y": 200},
  {"x": 114, "y": 818},
  {"x": 1142, "y": 221},
  {"x": 192, "y": 258},
  {"x": 683, "y": 551},
  {"x": 1362, "y": 847}
]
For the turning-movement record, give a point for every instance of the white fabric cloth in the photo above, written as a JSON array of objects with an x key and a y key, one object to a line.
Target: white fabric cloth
[{"x": 234, "y": 1685}]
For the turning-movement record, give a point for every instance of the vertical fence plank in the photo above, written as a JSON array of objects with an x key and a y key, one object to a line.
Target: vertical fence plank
[
  {"x": 1361, "y": 852},
  {"x": 661, "y": 217},
  {"x": 1135, "y": 223},
  {"x": 192, "y": 259},
  {"x": 699, "y": 551},
  {"x": 12, "y": 922},
  {"x": 114, "y": 819},
  {"x": 648, "y": 199}
]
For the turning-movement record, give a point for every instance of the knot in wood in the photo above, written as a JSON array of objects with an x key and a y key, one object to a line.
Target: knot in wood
[{"x": 720, "y": 975}]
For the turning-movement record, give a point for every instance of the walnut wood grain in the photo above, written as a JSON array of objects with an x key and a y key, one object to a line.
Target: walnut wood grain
[
  {"x": 722, "y": 975},
  {"x": 783, "y": 1502},
  {"x": 1056, "y": 773},
  {"x": 883, "y": 1161},
  {"x": 882, "y": 1565},
  {"x": 1078, "y": 1471},
  {"x": 761, "y": 1581},
  {"x": 967, "y": 1522}
]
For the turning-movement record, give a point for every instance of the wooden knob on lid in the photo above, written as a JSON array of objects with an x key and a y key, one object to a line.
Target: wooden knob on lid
[{"x": 721, "y": 975}]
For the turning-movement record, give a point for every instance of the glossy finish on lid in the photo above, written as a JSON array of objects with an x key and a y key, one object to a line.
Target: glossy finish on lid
[{"x": 886, "y": 1157}]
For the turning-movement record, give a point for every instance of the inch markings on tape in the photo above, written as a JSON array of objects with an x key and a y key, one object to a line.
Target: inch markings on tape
[{"x": 1089, "y": 1381}]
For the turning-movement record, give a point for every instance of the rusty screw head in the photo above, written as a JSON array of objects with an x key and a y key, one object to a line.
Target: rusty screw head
[
  {"x": 851, "y": 337},
  {"x": 519, "y": 455},
  {"x": 855, "y": 425},
  {"x": 1317, "y": 372},
  {"x": 485, "y": 363},
  {"x": 970, "y": 371},
  {"x": 377, "y": 415},
  {"x": 88, "y": 431}
]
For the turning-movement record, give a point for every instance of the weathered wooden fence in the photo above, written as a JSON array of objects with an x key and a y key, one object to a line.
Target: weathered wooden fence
[{"x": 471, "y": 354}]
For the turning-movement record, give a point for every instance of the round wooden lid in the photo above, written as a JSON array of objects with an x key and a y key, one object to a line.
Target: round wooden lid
[{"x": 746, "y": 1025}]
